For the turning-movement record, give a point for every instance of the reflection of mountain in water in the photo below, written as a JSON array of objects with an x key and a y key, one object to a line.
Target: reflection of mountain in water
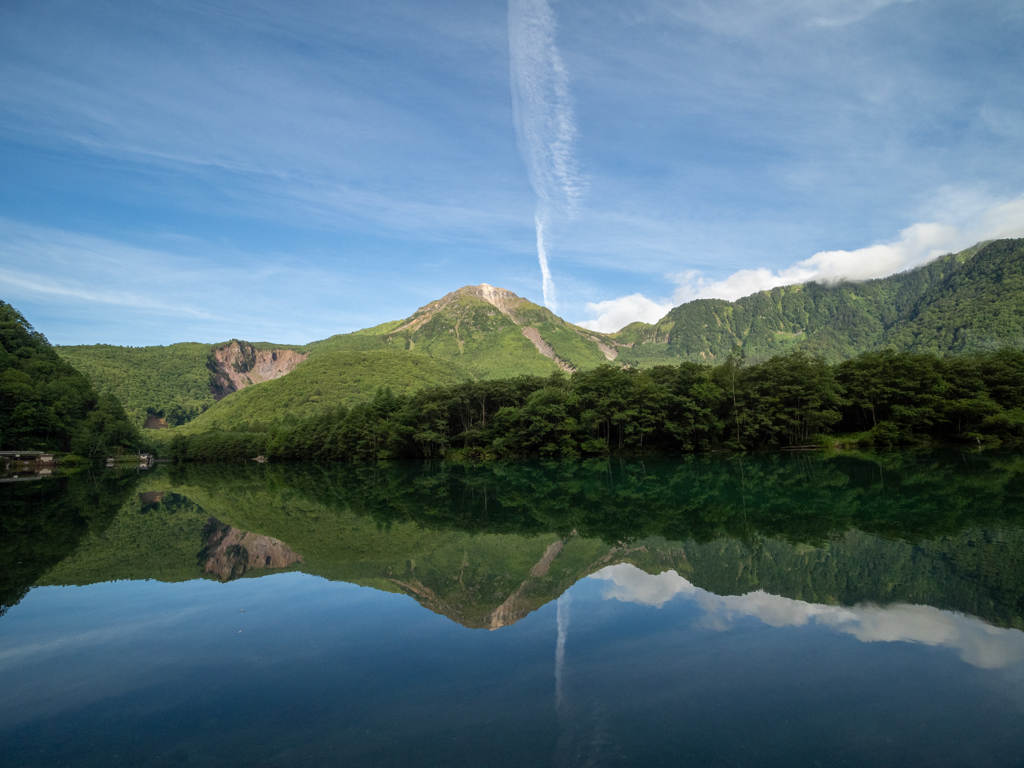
[{"x": 486, "y": 546}]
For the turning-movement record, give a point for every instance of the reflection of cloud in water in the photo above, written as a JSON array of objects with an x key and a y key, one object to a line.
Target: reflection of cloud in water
[{"x": 978, "y": 643}]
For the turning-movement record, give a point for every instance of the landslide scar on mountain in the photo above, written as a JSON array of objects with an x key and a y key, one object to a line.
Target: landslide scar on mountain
[
  {"x": 545, "y": 349},
  {"x": 239, "y": 365},
  {"x": 610, "y": 353},
  {"x": 229, "y": 552}
]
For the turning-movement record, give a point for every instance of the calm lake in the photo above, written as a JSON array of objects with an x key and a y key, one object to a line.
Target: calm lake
[{"x": 783, "y": 610}]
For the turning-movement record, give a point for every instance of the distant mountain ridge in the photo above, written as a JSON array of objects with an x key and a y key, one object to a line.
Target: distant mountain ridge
[{"x": 972, "y": 300}]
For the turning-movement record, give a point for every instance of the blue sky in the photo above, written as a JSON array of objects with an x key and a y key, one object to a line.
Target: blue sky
[{"x": 179, "y": 171}]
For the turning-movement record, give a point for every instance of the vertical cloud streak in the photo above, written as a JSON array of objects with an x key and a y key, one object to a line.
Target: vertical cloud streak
[
  {"x": 543, "y": 117},
  {"x": 550, "y": 300}
]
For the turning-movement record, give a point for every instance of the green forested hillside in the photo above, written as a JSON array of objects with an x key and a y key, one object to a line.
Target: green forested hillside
[
  {"x": 324, "y": 382},
  {"x": 973, "y": 300},
  {"x": 478, "y": 329},
  {"x": 482, "y": 329},
  {"x": 877, "y": 398},
  {"x": 979, "y": 306},
  {"x": 45, "y": 404},
  {"x": 171, "y": 381}
]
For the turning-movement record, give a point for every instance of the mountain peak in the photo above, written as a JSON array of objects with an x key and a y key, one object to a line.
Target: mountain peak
[{"x": 500, "y": 298}]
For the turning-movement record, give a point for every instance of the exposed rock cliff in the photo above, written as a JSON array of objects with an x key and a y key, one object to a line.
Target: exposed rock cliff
[{"x": 239, "y": 365}]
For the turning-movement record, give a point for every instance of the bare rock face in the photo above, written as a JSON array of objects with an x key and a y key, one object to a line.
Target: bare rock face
[
  {"x": 239, "y": 365},
  {"x": 229, "y": 552}
]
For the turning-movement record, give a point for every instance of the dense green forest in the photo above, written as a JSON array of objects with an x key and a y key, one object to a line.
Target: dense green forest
[
  {"x": 171, "y": 382},
  {"x": 970, "y": 301},
  {"x": 45, "y": 404},
  {"x": 876, "y": 399}
]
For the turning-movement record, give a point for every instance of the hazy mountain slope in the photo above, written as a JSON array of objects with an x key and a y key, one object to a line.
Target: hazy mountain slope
[
  {"x": 328, "y": 379},
  {"x": 925, "y": 308}
]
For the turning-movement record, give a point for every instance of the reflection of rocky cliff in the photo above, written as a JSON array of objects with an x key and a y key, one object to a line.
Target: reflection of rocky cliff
[{"x": 228, "y": 552}]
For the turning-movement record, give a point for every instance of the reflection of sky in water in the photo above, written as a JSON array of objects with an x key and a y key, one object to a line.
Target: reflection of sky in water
[
  {"x": 313, "y": 670},
  {"x": 978, "y": 643}
]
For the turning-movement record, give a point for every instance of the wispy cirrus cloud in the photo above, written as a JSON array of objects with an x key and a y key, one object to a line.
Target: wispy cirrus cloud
[
  {"x": 178, "y": 289},
  {"x": 543, "y": 116}
]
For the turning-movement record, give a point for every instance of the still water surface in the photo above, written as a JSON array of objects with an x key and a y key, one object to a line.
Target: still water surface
[{"x": 780, "y": 610}]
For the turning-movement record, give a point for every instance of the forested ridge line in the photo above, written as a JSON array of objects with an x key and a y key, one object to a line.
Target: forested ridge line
[
  {"x": 876, "y": 399},
  {"x": 963, "y": 302},
  {"x": 46, "y": 404}
]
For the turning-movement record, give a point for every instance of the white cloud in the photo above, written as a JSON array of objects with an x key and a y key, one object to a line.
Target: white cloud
[
  {"x": 617, "y": 313},
  {"x": 918, "y": 244},
  {"x": 978, "y": 643},
  {"x": 631, "y": 585}
]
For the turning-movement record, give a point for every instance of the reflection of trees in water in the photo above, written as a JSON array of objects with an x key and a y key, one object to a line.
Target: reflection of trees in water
[
  {"x": 42, "y": 523},
  {"x": 486, "y": 545},
  {"x": 935, "y": 527},
  {"x": 802, "y": 498}
]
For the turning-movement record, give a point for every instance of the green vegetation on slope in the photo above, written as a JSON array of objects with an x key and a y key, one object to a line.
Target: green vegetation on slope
[
  {"x": 482, "y": 329},
  {"x": 326, "y": 381},
  {"x": 172, "y": 382},
  {"x": 177, "y": 382},
  {"x": 970, "y": 301},
  {"x": 45, "y": 404},
  {"x": 466, "y": 329}
]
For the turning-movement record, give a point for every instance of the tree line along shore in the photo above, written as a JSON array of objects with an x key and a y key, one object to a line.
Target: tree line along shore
[{"x": 876, "y": 399}]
